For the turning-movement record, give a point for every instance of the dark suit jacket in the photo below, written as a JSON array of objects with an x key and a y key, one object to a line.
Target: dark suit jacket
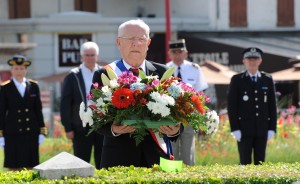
[
  {"x": 72, "y": 96},
  {"x": 20, "y": 115},
  {"x": 122, "y": 150},
  {"x": 252, "y": 106}
]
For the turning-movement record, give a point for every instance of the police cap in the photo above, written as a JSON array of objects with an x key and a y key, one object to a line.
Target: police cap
[
  {"x": 177, "y": 45},
  {"x": 19, "y": 60},
  {"x": 252, "y": 52}
]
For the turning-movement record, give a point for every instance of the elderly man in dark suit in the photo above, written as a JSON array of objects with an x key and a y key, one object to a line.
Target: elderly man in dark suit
[
  {"x": 75, "y": 89},
  {"x": 118, "y": 147},
  {"x": 22, "y": 125},
  {"x": 252, "y": 108}
]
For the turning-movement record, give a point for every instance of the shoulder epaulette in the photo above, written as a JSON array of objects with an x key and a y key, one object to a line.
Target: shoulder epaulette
[
  {"x": 195, "y": 65},
  {"x": 33, "y": 81},
  {"x": 266, "y": 74},
  {"x": 5, "y": 82}
]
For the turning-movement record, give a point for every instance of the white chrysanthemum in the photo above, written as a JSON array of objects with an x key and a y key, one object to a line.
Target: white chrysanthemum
[
  {"x": 213, "y": 122},
  {"x": 163, "y": 98},
  {"x": 114, "y": 83},
  {"x": 158, "y": 108},
  {"x": 86, "y": 116},
  {"x": 107, "y": 92}
]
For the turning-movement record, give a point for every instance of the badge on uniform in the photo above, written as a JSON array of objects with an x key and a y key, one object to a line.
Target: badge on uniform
[{"x": 245, "y": 97}]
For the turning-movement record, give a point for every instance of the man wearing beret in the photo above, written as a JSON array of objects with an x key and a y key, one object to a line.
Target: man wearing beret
[
  {"x": 252, "y": 108},
  {"x": 22, "y": 126},
  {"x": 191, "y": 73}
]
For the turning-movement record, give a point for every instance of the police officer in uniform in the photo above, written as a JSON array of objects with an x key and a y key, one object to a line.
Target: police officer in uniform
[
  {"x": 191, "y": 73},
  {"x": 252, "y": 108},
  {"x": 22, "y": 125}
]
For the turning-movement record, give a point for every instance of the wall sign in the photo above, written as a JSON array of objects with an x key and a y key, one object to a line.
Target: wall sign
[{"x": 69, "y": 48}]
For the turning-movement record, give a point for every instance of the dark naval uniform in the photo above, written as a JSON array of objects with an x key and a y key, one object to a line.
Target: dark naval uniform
[
  {"x": 21, "y": 121},
  {"x": 252, "y": 110}
]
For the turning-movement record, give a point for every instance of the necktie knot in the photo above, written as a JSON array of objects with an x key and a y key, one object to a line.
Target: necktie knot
[
  {"x": 253, "y": 78},
  {"x": 135, "y": 71}
]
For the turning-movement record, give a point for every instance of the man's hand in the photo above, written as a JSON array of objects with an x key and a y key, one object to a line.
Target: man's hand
[
  {"x": 270, "y": 134},
  {"x": 70, "y": 135},
  {"x": 237, "y": 135},
  {"x": 121, "y": 129},
  {"x": 169, "y": 130}
]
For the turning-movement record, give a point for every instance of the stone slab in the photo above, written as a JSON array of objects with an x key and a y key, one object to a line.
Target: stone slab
[{"x": 64, "y": 164}]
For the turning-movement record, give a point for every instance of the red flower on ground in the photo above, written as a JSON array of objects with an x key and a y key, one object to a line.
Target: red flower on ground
[{"x": 122, "y": 98}]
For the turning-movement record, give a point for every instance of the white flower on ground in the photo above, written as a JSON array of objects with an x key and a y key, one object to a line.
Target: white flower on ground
[
  {"x": 213, "y": 122},
  {"x": 86, "y": 116}
]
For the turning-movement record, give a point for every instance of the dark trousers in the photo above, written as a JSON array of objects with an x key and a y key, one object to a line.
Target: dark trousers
[
  {"x": 257, "y": 144},
  {"x": 83, "y": 144}
]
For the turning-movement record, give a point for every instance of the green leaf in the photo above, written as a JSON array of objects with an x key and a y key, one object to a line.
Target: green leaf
[
  {"x": 142, "y": 74},
  {"x": 168, "y": 73},
  {"x": 105, "y": 80}
]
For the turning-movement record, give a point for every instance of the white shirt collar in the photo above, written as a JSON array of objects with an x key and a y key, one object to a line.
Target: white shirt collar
[
  {"x": 142, "y": 66},
  {"x": 85, "y": 69},
  {"x": 257, "y": 74}
]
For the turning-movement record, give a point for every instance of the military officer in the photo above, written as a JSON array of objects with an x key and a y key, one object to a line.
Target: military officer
[
  {"x": 252, "y": 108},
  {"x": 21, "y": 119},
  {"x": 191, "y": 73}
]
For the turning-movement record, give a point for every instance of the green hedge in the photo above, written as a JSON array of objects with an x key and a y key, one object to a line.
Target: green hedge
[{"x": 227, "y": 174}]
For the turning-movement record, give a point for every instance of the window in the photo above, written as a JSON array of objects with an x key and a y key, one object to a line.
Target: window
[
  {"x": 86, "y": 5},
  {"x": 19, "y": 9},
  {"x": 238, "y": 13},
  {"x": 285, "y": 13}
]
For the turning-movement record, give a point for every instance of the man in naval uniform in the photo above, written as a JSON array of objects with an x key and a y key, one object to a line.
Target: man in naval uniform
[
  {"x": 252, "y": 108},
  {"x": 191, "y": 73}
]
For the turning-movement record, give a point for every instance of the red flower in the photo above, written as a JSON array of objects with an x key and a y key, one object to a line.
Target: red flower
[
  {"x": 122, "y": 98},
  {"x": 197, "y": 102}
]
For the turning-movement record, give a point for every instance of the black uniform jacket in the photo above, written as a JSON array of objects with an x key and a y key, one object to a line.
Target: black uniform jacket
[
  {"x": 122, "y": 150},
  {"x": 252, "y": 105},
  {"x": 73, "y": 93},
  {"x": 20, "y": 115}
]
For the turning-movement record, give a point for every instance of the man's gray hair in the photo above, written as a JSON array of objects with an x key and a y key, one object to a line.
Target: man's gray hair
[
  {"x": 89, "y": 45},
  {"x": 137, "y": 22}
]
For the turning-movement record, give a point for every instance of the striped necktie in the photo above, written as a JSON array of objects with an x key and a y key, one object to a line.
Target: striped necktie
[{"x": 135, "y": 71}]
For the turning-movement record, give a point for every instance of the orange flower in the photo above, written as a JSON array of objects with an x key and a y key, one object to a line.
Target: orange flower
[
  {"x": 198, "y": 103},
  {"x": 122, "y": 98}
]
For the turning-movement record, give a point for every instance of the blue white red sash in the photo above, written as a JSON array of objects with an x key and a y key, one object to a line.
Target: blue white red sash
[{"x": 164, "y": 142}]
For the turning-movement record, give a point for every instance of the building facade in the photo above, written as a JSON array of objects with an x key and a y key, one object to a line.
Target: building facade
[{"x": 50, "y": 32}]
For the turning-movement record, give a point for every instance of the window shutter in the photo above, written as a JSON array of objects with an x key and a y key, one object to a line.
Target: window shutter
[
  {"x": 238, "y": 13},
  {"x": 86, "y": 5},
  {"x": 19, "y": 9},
  {"x": 285, "y": 13}
]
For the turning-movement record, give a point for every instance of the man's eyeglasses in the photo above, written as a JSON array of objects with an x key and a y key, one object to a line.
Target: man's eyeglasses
[
  {"x": 89, "y": 55},
  {"x": 132, "y": 39}
]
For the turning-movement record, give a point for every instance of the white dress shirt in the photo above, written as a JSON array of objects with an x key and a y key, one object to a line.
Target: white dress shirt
[{"x": 20, "y": 86}]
